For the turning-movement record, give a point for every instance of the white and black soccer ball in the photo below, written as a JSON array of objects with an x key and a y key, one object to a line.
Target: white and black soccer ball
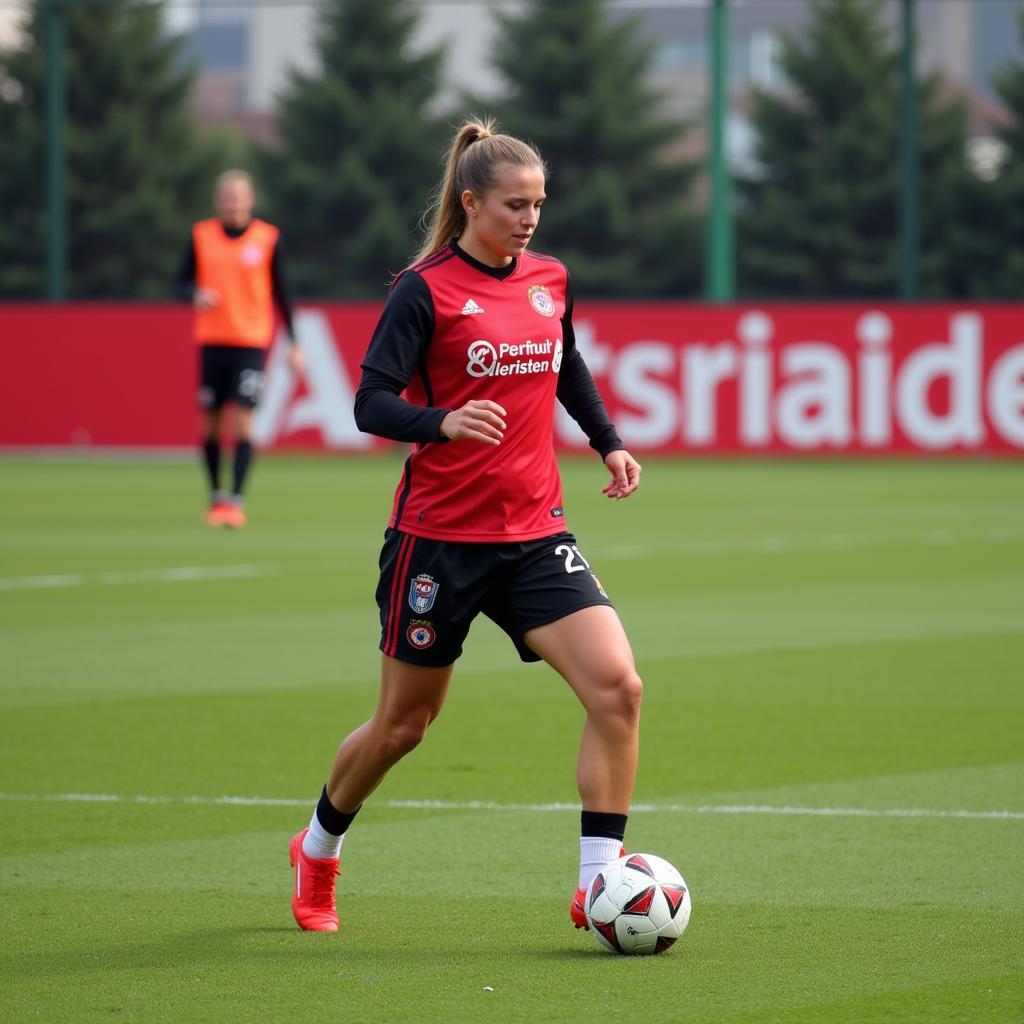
[{"x": 637, "y": 904}]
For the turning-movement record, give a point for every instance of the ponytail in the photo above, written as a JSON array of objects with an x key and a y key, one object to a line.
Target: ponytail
[{"x": 474, "y": 154}]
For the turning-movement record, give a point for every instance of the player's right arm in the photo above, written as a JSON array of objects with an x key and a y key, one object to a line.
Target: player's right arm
[
  {"x": 185, "y": 283},
  {"x": 476, "y": 421},
  {"x": 397, "y": 349}
]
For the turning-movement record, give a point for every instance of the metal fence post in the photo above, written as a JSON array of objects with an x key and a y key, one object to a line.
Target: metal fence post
[
  {"x": 719, "y": 270},
  {"x": 909, "y": 221},
  {"x": 55, "y": 159}
]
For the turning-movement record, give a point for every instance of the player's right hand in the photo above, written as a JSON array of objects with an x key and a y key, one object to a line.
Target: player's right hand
[
  {"x": 475, "y": 421},
  {"x": 206, "y": 298}
]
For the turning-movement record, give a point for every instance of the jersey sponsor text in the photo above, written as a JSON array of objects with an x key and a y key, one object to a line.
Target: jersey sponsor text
[{"x": 487, "y": 361}]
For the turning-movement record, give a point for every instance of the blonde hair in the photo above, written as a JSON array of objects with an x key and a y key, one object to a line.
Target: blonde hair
[
  {"x": 230, "y": 177},
  {"x": 475, "y": 152}
]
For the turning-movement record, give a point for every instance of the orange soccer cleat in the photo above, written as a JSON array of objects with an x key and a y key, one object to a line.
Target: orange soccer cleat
[
  {"x": 577, "y": 907},
  {"x": 313, "y": 893},
  {"x": 234, "y": 516},
  {"x": 577, "y": 914},
  {"x": 215, "y": 514}
]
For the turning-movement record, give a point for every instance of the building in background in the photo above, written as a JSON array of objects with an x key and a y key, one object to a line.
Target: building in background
[
  {"x": 245, "y": 51},
  {"x": 11, "y": 16},
  {"x": 219, "y": 42},
  {"x": 964, "y": 41}
]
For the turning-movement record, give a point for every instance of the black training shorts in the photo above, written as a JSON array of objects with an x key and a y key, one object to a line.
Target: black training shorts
[
  {"x": 431, "y": 590},
  {"x": 230, "y": 373}
]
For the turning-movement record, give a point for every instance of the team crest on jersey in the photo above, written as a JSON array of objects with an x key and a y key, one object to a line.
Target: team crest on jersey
[
  {"x": 540, "y": 299},
  {"x": 422, "y": 592},
  {"x": 420, "y": 634},
  {"x": 251, "y": 255}
]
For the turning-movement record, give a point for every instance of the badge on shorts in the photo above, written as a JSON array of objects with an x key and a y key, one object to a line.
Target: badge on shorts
[
  {"x": 600, "y": 589},
  {"x": 250, "y": 383},
  {"x": 540, "y": 299},
  {"x": 420, "y": 634},
  {"x": 422, "y": 592}
]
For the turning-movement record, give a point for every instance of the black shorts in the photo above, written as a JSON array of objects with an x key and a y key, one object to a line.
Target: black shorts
[
  {"x": 230, "y": 373},
  {"x": 431, "y": 590}
]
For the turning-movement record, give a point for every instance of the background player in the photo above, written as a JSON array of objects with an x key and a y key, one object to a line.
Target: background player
[
  {"x": 233, "y": 273},
  {"x": 478, "y": 335}
]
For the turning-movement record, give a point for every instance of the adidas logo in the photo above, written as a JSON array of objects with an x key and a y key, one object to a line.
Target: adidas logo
[{"x": 471, "y": 307}]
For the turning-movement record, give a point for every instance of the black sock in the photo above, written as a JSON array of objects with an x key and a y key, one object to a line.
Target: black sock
[
  {"x": 331, "y": 819},
  {"x": 211, "y": 459},
  {"x": 243, "y": 458},
  {"x": 606, "y": 826}
]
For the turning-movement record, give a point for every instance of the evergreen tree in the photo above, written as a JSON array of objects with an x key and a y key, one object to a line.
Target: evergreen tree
[
  {"x": 821, "y": 218},
  {"x": 359, "y": 151},
  {"x": 1007, "y": 278},
  {"x": 577, "y": 87},
  {"x": 135, "y": 169}
]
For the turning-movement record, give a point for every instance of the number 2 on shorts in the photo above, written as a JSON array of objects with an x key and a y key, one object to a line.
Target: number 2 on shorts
[{"x": 570, "y": 554}]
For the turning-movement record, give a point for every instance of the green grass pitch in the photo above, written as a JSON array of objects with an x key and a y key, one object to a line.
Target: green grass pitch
[{"x": 834, "y": 661}]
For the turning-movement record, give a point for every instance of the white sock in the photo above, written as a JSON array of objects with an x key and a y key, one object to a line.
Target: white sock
[
  {"x": 319, "y": 844},
  {"x": 595, "y": 852}
]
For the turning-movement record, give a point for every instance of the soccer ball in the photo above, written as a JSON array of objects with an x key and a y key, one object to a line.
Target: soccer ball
[{"x": 637, "y": 904}]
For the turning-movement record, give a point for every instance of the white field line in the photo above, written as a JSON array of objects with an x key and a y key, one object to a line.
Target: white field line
[
  {"x": 177, "y": 574},
  {"x": 487, "y": 805},
  {"x": 710, "y": 548},
  {"x": 827, "y": 542}
]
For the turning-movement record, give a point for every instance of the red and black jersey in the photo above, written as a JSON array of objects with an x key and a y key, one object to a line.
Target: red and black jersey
[{"x": 453, "y": 330}]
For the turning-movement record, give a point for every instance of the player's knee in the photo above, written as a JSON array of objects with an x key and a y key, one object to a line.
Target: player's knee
[
  {"x": 621, "y": 697},
  {"x": 404, "y": 737},
  {"x": 630, "y": 689}
]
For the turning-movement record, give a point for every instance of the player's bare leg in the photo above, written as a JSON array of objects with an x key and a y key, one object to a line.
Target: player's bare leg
[
  {"x": 590, "y": 650},
  {"x": 411, "y": 698},
  {"x": 243, "y": 423}
]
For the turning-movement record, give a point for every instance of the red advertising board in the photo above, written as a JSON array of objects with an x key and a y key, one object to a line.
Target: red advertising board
[{"x": 679, "y": 378}]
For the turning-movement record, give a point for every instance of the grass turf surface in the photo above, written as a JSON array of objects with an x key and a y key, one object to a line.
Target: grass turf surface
[{"x": 838, "y": 637}]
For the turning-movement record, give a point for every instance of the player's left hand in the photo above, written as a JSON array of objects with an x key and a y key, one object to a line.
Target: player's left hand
[
  {"x": 625, "y": 471},
  {"x": 296, "y": 360}
]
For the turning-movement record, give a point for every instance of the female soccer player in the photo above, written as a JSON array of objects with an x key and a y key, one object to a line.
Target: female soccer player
[{"x": 478, "y": 334}]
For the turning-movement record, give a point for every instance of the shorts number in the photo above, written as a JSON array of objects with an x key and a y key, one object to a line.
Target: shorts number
[{"x": 572, "y": 553}]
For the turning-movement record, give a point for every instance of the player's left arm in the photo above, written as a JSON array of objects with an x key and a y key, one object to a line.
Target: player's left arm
[
  {"x": 578, "y": 393},
  {"x": 625, "y": 473},
  {"x": 283, "y": 301}
]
